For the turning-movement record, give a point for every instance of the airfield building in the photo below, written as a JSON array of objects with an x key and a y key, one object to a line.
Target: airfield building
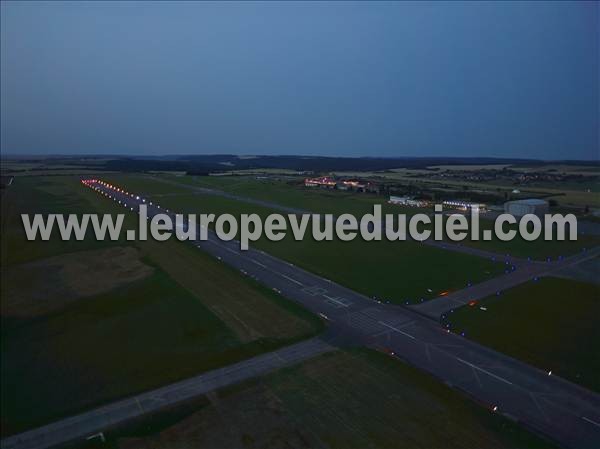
[
  {"x": 408, "y": 201},
  {"x": 519, "y": 208},
  {"x": 324, "y": 181},
  {"x": 465, "y": 205}
]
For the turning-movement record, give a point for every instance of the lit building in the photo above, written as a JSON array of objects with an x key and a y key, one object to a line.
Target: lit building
[
  {"x": 465, "y": 205},
  {"x": 352, "y": 183},
  {"x": 324, "y": 181}
]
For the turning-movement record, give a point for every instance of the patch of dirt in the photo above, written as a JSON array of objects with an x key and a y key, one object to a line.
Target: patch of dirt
[{"x": 40, "y": 287}]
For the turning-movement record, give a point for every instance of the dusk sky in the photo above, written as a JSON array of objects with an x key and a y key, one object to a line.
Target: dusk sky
[{"x": 339, "y": 79}]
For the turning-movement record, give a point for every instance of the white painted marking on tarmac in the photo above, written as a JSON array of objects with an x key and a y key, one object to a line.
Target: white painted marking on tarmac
[
  {"x": 428, "y": 352},
  {"x": 590, "y": 421},
  {"x": 292, "y": 279},
  {"x": 537, "y": 404},
  {"x": 258, "y": 263},
  {"x": 502, "y": 379},
  {"x": 335, "y": 300},
  {"x": 396, "y": 329},
  {"x": 139, "y": 405},
  {"x": 230, "y": 250},
  {"x": 409, "y": 323}
]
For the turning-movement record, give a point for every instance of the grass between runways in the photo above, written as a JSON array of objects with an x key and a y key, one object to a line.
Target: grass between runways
[{"x": 551, "y": 324}]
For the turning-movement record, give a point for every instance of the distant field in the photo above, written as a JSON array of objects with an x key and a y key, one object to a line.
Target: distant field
[
  {"x": 561, "y": 168},
  {"x": 87, "y": 322},
  {"x": 351, "y": 399},
  {"x": 470, "y": 167},
  {"x": 578, "y": 197},
  {"x": 550, "y": 324}
]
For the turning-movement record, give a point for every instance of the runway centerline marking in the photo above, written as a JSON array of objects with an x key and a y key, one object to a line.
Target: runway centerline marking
[
  {"x": 502, "y": 379},
  {"x": 590, "y": 421},
  {"x": 292, "y": 279},
  {"x": 406, "y": 324},
  {"x": 335, "y": 300},
  {"x": 258, "y": 263},
  {"x": 396, "y": 329}
]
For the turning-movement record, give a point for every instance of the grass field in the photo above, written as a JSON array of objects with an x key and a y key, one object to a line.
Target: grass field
[
  {"x": 539, "y": 249},
  {"x": 42, "y": 195},
  {"x": 107, "y": 346},
  {"x": 87, "y": 322},
  {"x": 350, "y": 399},
  {"x": 551, "y": 324}
]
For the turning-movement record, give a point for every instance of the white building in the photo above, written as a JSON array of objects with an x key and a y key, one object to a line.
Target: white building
[
  {"x": 464, "y": 205},
  {"x": 519, "y": 208},
  {"x": 408, "y": 201}
]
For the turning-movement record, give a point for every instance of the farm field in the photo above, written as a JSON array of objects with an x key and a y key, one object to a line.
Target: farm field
[
  {"x": 545, "y": 323},
  {"x": 350, "y": 399},
  {"x": 98, "y": 320}
]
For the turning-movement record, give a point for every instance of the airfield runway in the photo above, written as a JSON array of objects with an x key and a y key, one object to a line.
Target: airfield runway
[{"x": 563, "y": 411}]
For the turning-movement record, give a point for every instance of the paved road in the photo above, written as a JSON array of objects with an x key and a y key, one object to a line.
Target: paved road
[
  {"x": 564, "y": 412},
  {"x": 78, "y": 427}
]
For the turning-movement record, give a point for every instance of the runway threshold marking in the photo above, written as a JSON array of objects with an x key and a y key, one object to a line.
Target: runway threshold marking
[
  {"x": 502, "y": 379},
  {"x": 292, "y": 279},
  {"x": 396, "y": 329},
  {"x": 590, "y": 421}
]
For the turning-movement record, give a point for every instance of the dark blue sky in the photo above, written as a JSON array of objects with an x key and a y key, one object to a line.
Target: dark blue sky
[{"x": 378, "y": 79}]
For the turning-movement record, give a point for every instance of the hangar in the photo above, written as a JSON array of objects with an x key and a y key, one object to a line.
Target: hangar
[{"x": 519, "y": 208}]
